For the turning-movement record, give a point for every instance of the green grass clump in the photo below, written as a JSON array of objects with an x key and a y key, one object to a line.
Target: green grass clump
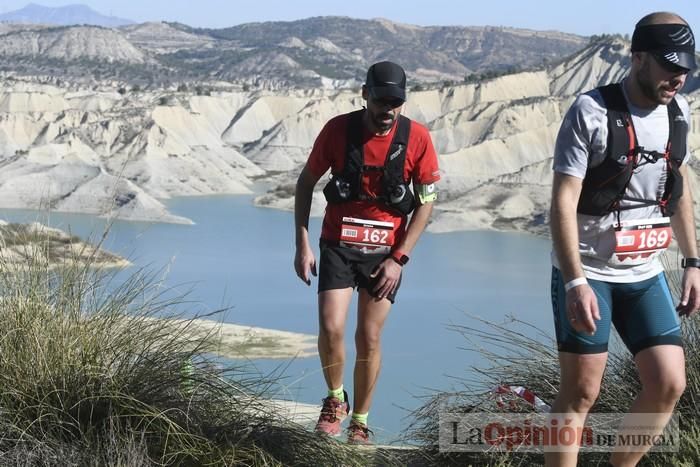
[{"x": 88, "y": 378}]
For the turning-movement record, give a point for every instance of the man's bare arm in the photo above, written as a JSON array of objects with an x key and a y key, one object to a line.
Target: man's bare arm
[
  {"x": 581, "y": 302},
  {"x": 304, "y": 260},
  {"x": 683, "y": 223}
]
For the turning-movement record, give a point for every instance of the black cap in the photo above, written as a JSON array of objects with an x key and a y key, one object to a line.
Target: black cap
[
  {"x": 386, "y": 79},
  {"x": 671, "y": 43}
]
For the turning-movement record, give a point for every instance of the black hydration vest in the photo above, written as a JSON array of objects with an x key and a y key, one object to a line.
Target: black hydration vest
[
  {"x": 347, "y": 185},
  {"x": 604, "y": 186}
]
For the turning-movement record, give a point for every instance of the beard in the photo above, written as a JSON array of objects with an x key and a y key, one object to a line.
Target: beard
[
  {"x": 378, "y": 120},
  {"x": 650, "y": 89}
]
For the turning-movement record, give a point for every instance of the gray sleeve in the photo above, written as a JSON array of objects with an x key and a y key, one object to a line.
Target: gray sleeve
[{"x": 582, "y": 136}]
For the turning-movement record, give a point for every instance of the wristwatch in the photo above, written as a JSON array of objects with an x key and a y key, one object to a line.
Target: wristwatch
[
  {"x": 690, "y": 263},
  {"x": 399, "y": 257}
]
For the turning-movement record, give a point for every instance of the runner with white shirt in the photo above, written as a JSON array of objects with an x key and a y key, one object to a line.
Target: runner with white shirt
[{"x": 618, "y": 196}]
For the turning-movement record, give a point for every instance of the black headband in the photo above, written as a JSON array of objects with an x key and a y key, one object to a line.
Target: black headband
[
  {"x": 673, "y": 43},
  {"x": 654, "y": 37}
]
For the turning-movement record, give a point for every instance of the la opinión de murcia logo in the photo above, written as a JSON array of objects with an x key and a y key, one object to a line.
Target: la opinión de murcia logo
[{"x": 539, "y": 432}]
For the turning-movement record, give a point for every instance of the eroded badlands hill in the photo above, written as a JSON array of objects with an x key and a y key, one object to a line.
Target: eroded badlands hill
[{"x": 106, "y": 152}]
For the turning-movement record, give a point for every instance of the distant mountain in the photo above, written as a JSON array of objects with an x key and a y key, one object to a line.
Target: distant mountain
[
  {"x": 72, "y": 44},
  {"x": 62, "y": 16},
  {"x": 345, "y": 46},
  {"x": 327, "y": 52}
]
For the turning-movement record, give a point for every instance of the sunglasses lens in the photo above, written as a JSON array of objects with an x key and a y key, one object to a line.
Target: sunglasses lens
[{"x": 393, "y": 103}]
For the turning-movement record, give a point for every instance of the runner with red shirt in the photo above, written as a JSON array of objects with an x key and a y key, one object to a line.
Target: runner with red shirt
[{"x": 375, "y": 156}]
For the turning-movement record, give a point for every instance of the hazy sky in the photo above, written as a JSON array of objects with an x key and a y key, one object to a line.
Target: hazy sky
[{"x": 581, "y": 17}]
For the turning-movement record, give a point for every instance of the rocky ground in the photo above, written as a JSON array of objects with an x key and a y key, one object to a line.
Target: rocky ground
[{"x": 21, "y": 244}]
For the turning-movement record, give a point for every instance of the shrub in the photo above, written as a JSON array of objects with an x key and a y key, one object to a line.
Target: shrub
[
  {"x": 515, "y": 358},
  {"x": 88, "y": 377}
]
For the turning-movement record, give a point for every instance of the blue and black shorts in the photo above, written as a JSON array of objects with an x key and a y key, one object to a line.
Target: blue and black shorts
[{"x": 643, "y": 314}]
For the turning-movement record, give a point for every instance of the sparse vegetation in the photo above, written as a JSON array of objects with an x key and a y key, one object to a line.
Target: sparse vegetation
[
  {"x": 606, "y": 38},
  {"x": 490, "y": 74},
  {"x": 275, "y": 54},
  {"x": 518, "y": 354},
  {"x": 88, "y": 379}
]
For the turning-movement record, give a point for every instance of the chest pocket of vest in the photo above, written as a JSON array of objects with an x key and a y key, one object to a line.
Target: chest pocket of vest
[{"x": 598, "y": 200}]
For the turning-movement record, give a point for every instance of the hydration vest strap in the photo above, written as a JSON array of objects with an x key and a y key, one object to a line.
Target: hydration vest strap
[
  {"x": 396, "y": 158},
  {"x": 640, "y": 203},
  {"x": 674, "y": 155},
  {"x": 354, "y": 154},
  {"x": 677, "y": 133},
  {"x": 622, "y": 138}
]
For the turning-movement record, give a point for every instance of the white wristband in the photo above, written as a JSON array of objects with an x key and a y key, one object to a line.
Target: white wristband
[{"x": 575, "y": 283}]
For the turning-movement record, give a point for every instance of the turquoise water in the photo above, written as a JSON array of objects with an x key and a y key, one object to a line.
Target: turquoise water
[{"x": 240, "y": 256}]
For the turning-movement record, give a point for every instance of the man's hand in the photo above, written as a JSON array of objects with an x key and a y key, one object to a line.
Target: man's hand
[
  {"x": 690, "y": 296},
  {"x": 305, "y": 263},
  {"x": 582, "y": 309},
  {"x": 388, "y": 273}
]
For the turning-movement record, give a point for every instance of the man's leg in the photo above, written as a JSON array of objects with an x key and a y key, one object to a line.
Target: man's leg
[
  {"x": 582, "y": 360},
  {"x": 332, "y": 312},
  {"x": 578, "y": 390},
  {"x": 650, "y": 327},
  {"x": 662, "y": 374},
  {"x": 370, "y": 320}
]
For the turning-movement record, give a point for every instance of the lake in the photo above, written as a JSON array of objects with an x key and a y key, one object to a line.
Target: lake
[{"x": 240, "y": 256}]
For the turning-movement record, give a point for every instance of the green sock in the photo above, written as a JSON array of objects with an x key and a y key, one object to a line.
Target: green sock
[
  {"x": 337, "y": 393},
  {"x": 360, "y": 417}
]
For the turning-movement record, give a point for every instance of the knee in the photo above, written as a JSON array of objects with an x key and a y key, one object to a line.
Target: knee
[
  {"x": 582, "y": 396},
  {"x": 331, "y": 332},
  {"x": 667, "y": 389},
  {"x": 367, "y": 340}
]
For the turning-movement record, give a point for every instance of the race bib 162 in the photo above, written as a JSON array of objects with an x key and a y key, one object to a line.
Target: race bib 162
[{"x": 367, "y": 235}]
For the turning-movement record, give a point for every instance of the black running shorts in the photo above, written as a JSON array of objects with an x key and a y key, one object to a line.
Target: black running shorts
[{"x": 341, "y": 267}]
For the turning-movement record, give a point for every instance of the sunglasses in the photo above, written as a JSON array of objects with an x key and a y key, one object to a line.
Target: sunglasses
[{"x": 392, "y": 102}]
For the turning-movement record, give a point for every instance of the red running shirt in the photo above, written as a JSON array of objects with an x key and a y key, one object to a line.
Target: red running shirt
[{"x": 329, "y": 152}]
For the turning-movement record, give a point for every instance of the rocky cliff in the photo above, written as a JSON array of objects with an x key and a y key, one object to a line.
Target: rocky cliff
[
  {"x": 495, "y": 140},
  {"x": 107, "y": 150}
]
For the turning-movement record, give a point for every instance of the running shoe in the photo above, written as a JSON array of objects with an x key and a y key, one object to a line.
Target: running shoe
[
  {"x": 358, "y": 433},
  {"x": 332, "y": 415}
]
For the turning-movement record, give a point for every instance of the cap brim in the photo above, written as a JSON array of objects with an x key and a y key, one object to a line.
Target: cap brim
[
  {"x": 682, "y": 59},
  {"x": 380, "y": 92}
]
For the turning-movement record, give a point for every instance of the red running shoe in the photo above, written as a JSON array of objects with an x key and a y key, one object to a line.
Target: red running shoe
[
  {"x": 358, "y": 433},
  {"x": 332, "y": 415}
]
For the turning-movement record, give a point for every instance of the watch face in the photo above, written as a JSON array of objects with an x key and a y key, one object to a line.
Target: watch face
[{"x": 403, "y": 259}]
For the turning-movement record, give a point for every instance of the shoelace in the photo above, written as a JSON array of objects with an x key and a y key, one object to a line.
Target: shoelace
[
  {"x": 329, "y": 410},
  {"x": 354, "y": 428}
]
